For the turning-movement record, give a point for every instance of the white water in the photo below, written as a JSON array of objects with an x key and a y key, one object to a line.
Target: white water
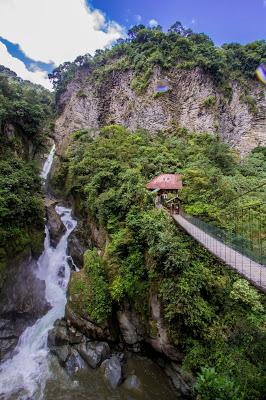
[
  {"x": 23, "y": 377},
  {"x": 48, "y": 163}
]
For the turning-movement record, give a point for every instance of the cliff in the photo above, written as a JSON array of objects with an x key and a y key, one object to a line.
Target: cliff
[{"x": 193, "y": 101}]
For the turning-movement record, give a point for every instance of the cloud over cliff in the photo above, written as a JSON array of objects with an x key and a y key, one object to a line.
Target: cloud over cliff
[{"x": 54, "y": 31}]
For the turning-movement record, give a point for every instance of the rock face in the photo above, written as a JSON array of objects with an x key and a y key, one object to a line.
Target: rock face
[
  {"x": 160, "y": 341},
  {"x": 173, "y": 371},
  {"x": 133, "y": 333},
  {"x": 55, "y": 226},
  {"x": 115, "y": 102},
  {"x": 87, "y": 327},
  {"x": 21, "y": 303}
]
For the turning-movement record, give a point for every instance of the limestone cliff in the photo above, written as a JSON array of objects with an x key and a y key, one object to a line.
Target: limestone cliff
[{"x": 239, "y": 118}]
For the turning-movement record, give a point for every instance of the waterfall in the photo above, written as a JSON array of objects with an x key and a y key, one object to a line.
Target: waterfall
[
  {"x": 24, "y": 376},
  {"x": 48, "y": 163}
]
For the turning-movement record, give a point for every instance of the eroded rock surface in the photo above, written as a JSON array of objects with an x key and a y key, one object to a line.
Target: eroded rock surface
[{"x": 115, "y": 102}]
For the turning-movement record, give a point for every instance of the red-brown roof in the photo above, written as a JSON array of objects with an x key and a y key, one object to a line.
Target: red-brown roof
[{"x": 166, "y": 181}]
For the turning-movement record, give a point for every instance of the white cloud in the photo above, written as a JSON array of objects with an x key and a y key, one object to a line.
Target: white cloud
[
  {"x": 153, "y": 23},
  {"x": 264, "y": 3},
  {"x": 55, "y": 30},
  {"x": 35, "y": 75},
  {"x": 138, "y": 18},
  {"x": 193, "y": 21}
]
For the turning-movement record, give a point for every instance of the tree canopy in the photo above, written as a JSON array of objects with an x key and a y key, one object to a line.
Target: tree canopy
[{"x": 146, "y": 47}]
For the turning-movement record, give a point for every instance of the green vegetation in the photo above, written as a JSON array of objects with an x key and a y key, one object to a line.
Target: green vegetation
[
  {"x": 89, "y": 289},
  {"x": 213, "y": 316},
  {"x": 25, "y": 112},
  {"x": 81, "y": 94},
  {"x": 211, "y": 385},
  {"x": 25, "y": 105},
  {"x": 209, "y": 102},
  {"x": 21, "y": 209},
  {"x": 251, "y": 103},
  {"x": 146, "y": 48}
]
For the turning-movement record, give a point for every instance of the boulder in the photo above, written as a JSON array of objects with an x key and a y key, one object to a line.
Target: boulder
[
  {"x": 112, "y": 371},
  {"x": 75, "y": 249},
  {"x": 62, "y": 353},
  {"x": 62, "y": 334},
  {"x": 132, "y": 383},
  {"x": 58, "y": 336},
  {"x": 61, "y": 272},
  {"x": 55, "y": 226},
  {"x": 75, "y": 362},
  {"x": 94, "y": 353},
  {"x": 74, "y": 336}
]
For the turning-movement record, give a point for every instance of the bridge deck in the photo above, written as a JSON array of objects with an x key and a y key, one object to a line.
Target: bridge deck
[{"x": 254, "y": 272}]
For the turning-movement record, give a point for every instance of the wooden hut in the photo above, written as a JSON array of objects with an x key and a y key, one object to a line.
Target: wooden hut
[{"x": 165, "y": 185}]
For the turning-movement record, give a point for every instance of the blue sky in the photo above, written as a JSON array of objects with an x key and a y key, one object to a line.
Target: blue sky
[
  {"x": 36, "y": 35},
  {"x": 224, "y": 21}
]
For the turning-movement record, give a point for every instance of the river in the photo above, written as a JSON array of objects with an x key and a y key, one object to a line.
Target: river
[{"x": 34, "y": 374}]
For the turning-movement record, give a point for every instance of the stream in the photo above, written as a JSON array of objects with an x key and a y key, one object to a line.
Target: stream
[{"x": 32, "y": 373}]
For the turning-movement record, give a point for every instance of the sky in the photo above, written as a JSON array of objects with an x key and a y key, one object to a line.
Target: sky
[{"x": 38, "y": 35}]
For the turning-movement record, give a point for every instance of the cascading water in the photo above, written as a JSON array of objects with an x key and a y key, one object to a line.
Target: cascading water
[
  {"x": 48, "y": 163},
  {"x": 24, "y": 375}
]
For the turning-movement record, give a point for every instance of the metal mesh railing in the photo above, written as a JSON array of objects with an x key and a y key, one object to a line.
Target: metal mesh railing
[{"x": 251, "y": 242}]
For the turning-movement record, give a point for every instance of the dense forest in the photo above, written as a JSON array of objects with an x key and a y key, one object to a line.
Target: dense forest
[
  {"x": 25, "y": 113},
  {"x": 214, "y": 317}
]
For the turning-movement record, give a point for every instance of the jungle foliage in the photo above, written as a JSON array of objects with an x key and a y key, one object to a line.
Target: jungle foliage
[
  {"x": 214, "y": 317},
  {"x": 25, "y": 105},
  {"x": 144, "y": 48}
]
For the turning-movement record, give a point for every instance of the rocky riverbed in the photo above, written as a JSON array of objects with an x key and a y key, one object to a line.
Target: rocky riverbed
[
  {"x": 100, "y": 370},
  {"x": 77, "y": 353}
]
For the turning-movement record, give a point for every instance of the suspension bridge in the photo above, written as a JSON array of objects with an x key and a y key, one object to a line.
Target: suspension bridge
[
  {"x": 242, "y": 244},
  {"x": 235, "y": 251}
]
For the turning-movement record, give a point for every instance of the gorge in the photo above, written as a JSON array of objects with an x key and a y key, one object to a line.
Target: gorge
[{"x": 114, "y": 300}]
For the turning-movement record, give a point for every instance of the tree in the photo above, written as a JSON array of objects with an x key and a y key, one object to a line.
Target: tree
[
  {"x": 178, "y": 28},
  {"x": 132, "y": 33}
]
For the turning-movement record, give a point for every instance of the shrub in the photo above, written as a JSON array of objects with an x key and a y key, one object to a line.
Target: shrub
[
  {"x": 211, "y": 385},
  {"x": 209, "y": 102}
]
